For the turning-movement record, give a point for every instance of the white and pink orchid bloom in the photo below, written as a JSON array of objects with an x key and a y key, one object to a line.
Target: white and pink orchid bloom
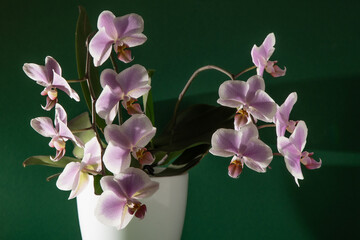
[
  {"x": 59, "y": 134},
  {"x": 49, "y": 76},
  {"x": 244, "y": 146},
  {"x": 124, "y": 32},
  {"x": 126, "y": 86},
  {"x": 281, "y": 118},
  {"x": 120, "y": 200},
  {"x": 261, "y": 55},
  {"x": 129, "y": 138},
  {"x": 75, "y": 176},
  {"x": 249, "y": 98},
  {"x": 292, "y": 150}
]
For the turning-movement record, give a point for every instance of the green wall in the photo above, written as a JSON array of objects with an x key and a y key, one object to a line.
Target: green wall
[{"x": 318, "y": 42}]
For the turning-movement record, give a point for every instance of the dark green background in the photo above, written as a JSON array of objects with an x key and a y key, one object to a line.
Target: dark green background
[{"x": 318, "y": 42}]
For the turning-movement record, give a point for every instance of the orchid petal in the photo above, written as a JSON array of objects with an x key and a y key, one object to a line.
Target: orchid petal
[
  {"x": 116, "y": 159},
  {"x": 107, "y": 105},
  {"x": 136, "y": 183},
  {"x": 68, "y": 176},
  {"x": 293, "y": 166},
  {"x": 139, "y": 130},
  {"x": 60, "y": 115},
  {"x": 52, "y": 65},
  {"x": 283, "y": 113},
  {"x": 263, "y": 107},
  {"x": 298, "y": 137},
  {"x": 110, "y": 183},
  {"x": 134, "y": 81},
  {"x": 92, "y": 147},
  {"x": 44, "y": 126},
  {"x": 225, "y": 142},
  {"x": 257, "y": 155},
  {"x": 108, "y": 77},
  {"x": 60, "y": 83},
  {"x": 106, "y": 21},
  {"x": 100, "y": 47},
  {"x": 129, "y": 27},
  {"x": 255, "y": 83},
  {"x": 37, "y": 73},
  {"x": 116, "y": 134},
  {"x": 232, "y": 93},
  {"x": 79, "y": 185},
  {"x": 111, "y": 210},
  {"x": 58, "y": 156}
]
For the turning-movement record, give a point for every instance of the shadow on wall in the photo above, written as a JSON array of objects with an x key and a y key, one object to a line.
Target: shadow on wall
[{"x": 328, "y": 106}]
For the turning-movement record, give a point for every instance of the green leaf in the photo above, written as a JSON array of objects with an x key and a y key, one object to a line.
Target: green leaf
[
  {"x": 46, "y": 161},
  {"x": 187, "y": 160},
  {"x": 82, "y": 35},
  {"x": 81, "y": 122},
  {"x": 194, "y": 126},
  {"x": 83, "y": 29},
  {"x": 148, "y": 101}
]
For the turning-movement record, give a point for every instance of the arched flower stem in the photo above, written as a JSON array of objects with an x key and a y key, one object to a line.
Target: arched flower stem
[
  {"x": 193, "y": 76},
  {"x": 244, "y": 71},
  {"x": 266, "y": 126}
]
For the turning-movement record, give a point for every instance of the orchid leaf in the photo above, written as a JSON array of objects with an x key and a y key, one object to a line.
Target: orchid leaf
[
  {"x": 148, "y": 101},
  {"x": 194, "y": 126},
  {"x": 82, "y": 36},
  {"x": 46, "y": 161},
  {"x": 188, "y": 159},
  {"x": 78, "y": 123}
]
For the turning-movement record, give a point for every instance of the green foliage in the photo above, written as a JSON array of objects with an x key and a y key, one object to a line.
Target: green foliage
[
  {"x": 46, "y": 161},
  {"x": 81, "y": 122},
  {"x": 194, "y": 126}
]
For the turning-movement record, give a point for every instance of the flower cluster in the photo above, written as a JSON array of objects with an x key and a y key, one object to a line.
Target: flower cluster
[{"x": 124, "y": 154}]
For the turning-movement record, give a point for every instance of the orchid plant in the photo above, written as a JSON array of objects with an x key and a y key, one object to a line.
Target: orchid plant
[{"x": 116, "y": 142}]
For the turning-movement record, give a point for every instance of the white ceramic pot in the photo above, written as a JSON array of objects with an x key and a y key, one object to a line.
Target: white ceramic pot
[{"x": 164, "y": 218}]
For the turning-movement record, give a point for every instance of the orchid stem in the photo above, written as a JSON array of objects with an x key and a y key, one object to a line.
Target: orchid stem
[
  {"x": 266, "y": 126},
  {"x": 113, "y": 62},
  {"x": 93, "y": 103},
  {"x": 76, "y": 80},
  {"x": 244, "y": 71},
  {"x": 277, "y": 154},
  {"x": 193, "y": 76}
]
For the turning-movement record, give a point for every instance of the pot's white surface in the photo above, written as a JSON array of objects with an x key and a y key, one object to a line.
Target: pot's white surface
[{"x": 163, "y": 221}]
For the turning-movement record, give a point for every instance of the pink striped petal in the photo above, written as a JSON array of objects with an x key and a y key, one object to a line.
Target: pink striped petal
[
  {"x": 116, "y": 159},
  {"x": 298, "y": 137},
  {"x": 100, "y": 47},
  {"x": 106, "y": 21},
  {"x": 60, "y": 83},
  {"x": 233, "y": 93},
  {"x": 44, "y": 126},
  {"x": 107, "y": 105}
]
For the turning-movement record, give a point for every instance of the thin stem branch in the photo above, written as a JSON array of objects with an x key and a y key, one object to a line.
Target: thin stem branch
[
  {"x": 76, "y": 80},
  {"x": 193, "y": 76},
  {"x": 113, "y": 62},
  {"x": 266, "y": 126},
  {"x": 277, "y": 154},
  {"x": 93, "y": 103},
  {"x": 244, "y": 71}
]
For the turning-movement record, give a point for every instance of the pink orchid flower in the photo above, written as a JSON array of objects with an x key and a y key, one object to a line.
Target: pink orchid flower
[
  {"x": 123, "y": 32},
  {"x": 126, "y": 86},
  {"x": 244, "y": 146},
  {"x": 292, "y": 150},
  {"x": 75, "y": 176},
  {"x": 261, "y": 55},
  {"x": 59, "y": 134},
  {"x": 281, "y": 118},
  {"x": 129, "y": 138},
  {"x": 249, "y": 98},
  {"x": 49, "y": 76},
  {"x": 120, "y": 200}
]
